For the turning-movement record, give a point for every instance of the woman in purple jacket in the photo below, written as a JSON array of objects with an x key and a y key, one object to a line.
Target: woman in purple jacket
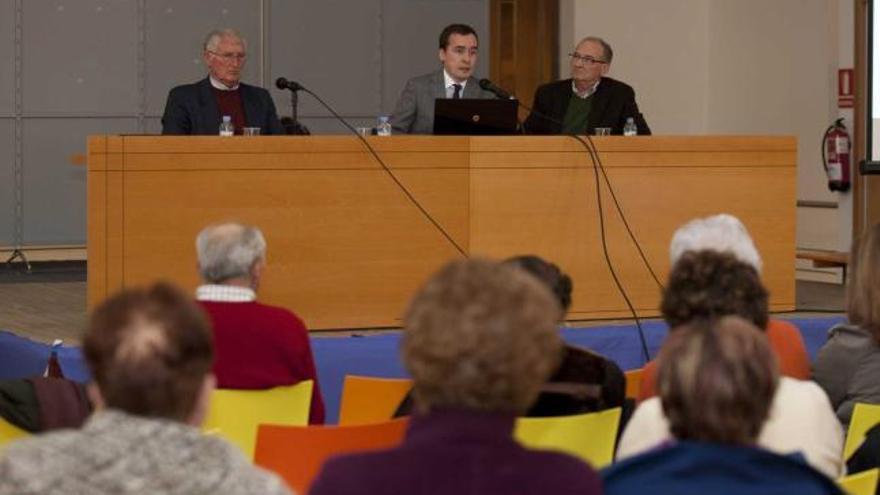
[{"x": 479, "y": 340}]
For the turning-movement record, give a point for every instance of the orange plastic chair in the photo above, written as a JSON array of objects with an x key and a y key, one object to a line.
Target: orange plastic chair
[
  {"x": 296, "y": 453},
  {"x": 633, "y": 383},
  {"x": 367, "y": 399}
]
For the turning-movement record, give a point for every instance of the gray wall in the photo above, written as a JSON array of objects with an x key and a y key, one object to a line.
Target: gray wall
[{"x": 80, "y": 67}]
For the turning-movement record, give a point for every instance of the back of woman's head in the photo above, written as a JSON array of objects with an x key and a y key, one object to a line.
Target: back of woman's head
[
  {"x": 863, "y": 291},
  {"x": 712, "y": 284},
  {"x": 717, "y": 379},
  {"x": 549, "y": 274},
  {"x": 480, "y": 336}
]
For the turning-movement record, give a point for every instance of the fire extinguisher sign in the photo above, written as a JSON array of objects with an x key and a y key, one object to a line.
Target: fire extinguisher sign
[{"x": 845, "y": 88}]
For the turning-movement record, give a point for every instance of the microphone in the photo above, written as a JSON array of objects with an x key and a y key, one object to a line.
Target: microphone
[
  {"x": 294, "y": 127},
  {"x": 283, "y": 83},
  {"x": 492, "y": 88}
]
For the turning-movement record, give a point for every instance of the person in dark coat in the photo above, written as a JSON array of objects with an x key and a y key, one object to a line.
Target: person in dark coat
[
  {"x": 479, "y": 340},
  {"x": 717, "y": 380},
  {"x": 198, "y": 108},
  {"x": 588, "y": 100}
]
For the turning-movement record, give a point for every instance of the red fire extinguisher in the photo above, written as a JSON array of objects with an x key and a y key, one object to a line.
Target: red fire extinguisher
[{"x": 836, "y": 147}]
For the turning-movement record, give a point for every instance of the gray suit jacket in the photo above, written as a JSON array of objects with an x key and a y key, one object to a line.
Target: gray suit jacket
[{"x": 414, "y": 113}]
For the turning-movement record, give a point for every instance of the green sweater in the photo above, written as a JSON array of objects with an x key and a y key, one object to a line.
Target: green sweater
[{"x": 577, "y": 114}]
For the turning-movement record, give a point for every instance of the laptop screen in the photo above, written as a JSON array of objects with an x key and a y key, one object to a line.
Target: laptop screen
[{"x": 474, "y": 117}]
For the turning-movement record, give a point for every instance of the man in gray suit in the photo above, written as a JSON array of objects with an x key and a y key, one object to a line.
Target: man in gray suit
[{"x": 414, "y": 113}]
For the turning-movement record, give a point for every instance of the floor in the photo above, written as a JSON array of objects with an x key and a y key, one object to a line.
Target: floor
[{"x": 50, "y": 302}]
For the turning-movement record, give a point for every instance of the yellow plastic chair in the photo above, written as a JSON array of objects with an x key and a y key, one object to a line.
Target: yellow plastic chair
[
  {"x": 10, "y": 432},
  {"x": 864, "y": 417},
  {"x": 590, "y": 437},
  {"x": 633, "y": 383},
  {"x": 236, "y": 414},
  {"x": 863, "y": 483},
  {"x": 367, "y": 399}
]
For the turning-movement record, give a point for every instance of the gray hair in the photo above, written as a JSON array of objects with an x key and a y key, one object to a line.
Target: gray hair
[
  {"x": 229, "y": 250},
  {"x": 214, "y": 37},
  {"x": 606, "y": 48},
  {"x": 723, "y": 233}
]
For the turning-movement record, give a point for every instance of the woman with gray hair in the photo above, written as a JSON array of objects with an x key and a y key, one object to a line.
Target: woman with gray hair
[
  {"x": 724, "y": 233},
  {"x": 718, "y": 378},
  {"x": 479, "y": 341},
  {"x": 710, "y": 285}
]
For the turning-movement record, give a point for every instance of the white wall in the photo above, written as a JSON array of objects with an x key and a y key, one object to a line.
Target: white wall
[
  {"x": 733, "y": 67},
  {"x": 665, "y": 61}
]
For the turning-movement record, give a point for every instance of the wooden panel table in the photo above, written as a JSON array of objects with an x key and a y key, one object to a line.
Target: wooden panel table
[{"x": 347, "y": 247}]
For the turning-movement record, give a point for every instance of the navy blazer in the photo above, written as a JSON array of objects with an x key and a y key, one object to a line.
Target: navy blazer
[
  {"x": 192, "y": 109},
  {"x": 612, "y": 103}
]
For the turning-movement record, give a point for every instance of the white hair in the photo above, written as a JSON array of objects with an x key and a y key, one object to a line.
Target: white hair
[
  {"x": 723, "y": 233},
  {"x": 214, "y": 37},
  {"x": 229, "y": 250}
]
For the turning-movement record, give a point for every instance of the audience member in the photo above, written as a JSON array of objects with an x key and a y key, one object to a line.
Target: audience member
[
  {"x": 479, "y": 340},
  {"x": 198, "y": 108},
  {"x": 150, "y": 354},
  {"x": 588, "y": 100},
  {"x": 725, "y": 233},
  {"x": 584, "y": 381},
  {"x": 848, "y": 365},
  {"x": 710, "y": 284},
  {"x": 717, "y": 381},
  {"x": 414, "y": 112},
  {"x": 258, "y": 346}
]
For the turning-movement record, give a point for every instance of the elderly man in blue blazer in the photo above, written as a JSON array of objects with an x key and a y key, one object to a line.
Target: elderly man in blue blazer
[
  {"x": 198, "y": 108},
  {"x": 414, "y": 113}
]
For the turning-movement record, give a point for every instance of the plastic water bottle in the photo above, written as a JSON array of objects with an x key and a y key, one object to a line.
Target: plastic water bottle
[
  {"x": 384, "y": 127},
  {"x": 630, "y": 129},
  {"x": 226, "y": 127},
  {"x": 53, "y": 367}
]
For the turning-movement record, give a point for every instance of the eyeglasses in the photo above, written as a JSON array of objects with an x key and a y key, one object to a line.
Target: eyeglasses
[
  {"x": 585, "y": 59},
  {"x": 229, "y": 57}
]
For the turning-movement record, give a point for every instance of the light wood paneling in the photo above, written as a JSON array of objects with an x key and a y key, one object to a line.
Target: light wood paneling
[{"x": 347, "y": 248}]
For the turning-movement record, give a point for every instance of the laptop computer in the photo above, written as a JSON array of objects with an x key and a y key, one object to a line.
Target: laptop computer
[{"x": 467, "y": 116}]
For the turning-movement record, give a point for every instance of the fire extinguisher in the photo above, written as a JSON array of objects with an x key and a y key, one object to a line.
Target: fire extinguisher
[{"x": 836, "y": 147}]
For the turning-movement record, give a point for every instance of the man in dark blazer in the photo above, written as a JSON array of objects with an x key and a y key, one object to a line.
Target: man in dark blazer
[
  {"x": 414, "y": 112},
  {"x": 586, "y": 101},
  {"x": 198, "y": 108}
]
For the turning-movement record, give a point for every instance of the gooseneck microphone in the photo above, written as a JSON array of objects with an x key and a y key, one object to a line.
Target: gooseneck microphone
[
  {"x": 294, "y": 127},
  {"x": 283, "y": 83},
  {"x": 491, "y": 87}
]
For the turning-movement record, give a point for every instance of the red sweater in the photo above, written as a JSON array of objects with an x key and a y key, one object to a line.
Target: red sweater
[{"x": 259, "y": 346}]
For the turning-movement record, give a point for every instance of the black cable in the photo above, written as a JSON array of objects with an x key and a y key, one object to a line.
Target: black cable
[
  {"x": 622, "y": 216},
  {"x": 632, "y": 309},
  {"x": 617, "y": 206},
  {"x": 593, "y": 153},
  {"x": 390, "y": 173}
]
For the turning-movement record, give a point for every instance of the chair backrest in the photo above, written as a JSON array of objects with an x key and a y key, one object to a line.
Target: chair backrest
[
  {"x": 864, "y": 417},
  {"x": 590, "y": 437},
  {"x": 297, "y": 453},
  {"x": 10, "y": 432},
  {"x": 367, "y": 399},
  {"x": 864, "y": 483},
  {"x": 235, "y": 414},
  {"x": 633, "y": 383}
]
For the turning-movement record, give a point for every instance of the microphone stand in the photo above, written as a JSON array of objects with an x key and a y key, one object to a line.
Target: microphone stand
[{"x": 294, "y": 127}]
